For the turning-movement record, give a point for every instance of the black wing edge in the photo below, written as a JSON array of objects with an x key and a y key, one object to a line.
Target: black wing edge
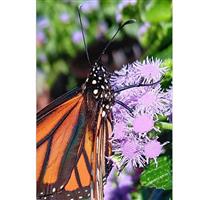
[{"x": 56, "y": 102}]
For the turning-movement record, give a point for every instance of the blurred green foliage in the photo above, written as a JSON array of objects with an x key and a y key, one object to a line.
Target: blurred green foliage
[{"x": 58, "y": 29}]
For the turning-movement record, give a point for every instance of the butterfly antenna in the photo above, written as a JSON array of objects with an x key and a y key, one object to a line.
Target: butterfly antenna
[
  {"x": 130, "y": 21},
  {"x": 82, "y": 30}
]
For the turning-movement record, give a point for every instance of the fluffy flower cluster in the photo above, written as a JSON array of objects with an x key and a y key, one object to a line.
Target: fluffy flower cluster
[
  {"x": 120, "y": 187},
  {"x": 139, "y": 101}
]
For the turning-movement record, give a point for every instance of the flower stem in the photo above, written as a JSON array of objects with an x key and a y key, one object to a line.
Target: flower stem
[{"x": 166, "y": 125}]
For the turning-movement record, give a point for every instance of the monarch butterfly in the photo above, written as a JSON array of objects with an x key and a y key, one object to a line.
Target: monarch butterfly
[{"x": 73, "y": 137}]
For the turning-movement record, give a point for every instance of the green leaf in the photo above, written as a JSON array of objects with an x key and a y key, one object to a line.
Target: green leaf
[
  {"x": 157, "y": 11},
  {"x": 158, "y": 177},
  {"x": 166, "y": 53}
]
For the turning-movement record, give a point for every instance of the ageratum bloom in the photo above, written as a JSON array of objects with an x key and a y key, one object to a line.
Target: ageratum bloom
[
  {"x": 152, "y": 149},
  {"x": 143, "y": 123},
  {"x": 64, "y": 17},
  {"x": 120, "y": 187},
  {"x": 42, "y": 23},
  {"x": 89, "y": 5},
  {"x": 149, "y": 70},
  {"x": 136, "y": 110},
  {"x": 77, "y": 37},
  {"x": 143, "y": 29},
  {"x": 153, "y": 100}
]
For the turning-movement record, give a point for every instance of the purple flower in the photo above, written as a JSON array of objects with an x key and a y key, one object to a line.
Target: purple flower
[
  {"x": 120, "y": 113},
  {"x": 118, "y": 186},
  {"x": 122, "y": 193},
  {"x": 124, "y": 180},
  {"x": 130, "y": 150},
  {"x": 149, "y": 99},
  {"x": 153, "y": 149},
  {"x": 119, "y": 130},
  {"x": 168, "y": 109},
  {"x": 143, "y": 29},
  {"x": 64, "y": 17},
  {"x": 153, "y": 101},
  {"x": 125, "y": 76},
  {"x": 40, "y": 37},
  {"x": 143, "y": 123},
  {"x": 125, "y": 3},
  {"x": 128, "y": 2},
  {"x": 149, "y": 70},
  {"x": 118, "y": 17},
  {"x": 42, "y": 57},
  {"x": 77, "y": 37},
  {"x": 42, "y": 23},
  {"x": 89, "y": 5},
  {"x": 102, "y": 29},
  {"x": 135, "y": 112}
]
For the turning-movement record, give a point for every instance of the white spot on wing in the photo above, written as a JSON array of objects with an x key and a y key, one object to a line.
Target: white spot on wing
[
  {"x": 94, "y": 82},
  {"x": 95, "y": 91},
  {"x": 103, "y": 113},
  {"x": 102, "y": 87}
]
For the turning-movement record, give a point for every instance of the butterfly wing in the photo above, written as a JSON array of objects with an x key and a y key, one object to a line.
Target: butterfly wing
[
  {"x": 60, "y": 131},
  {"x": 65, "y": 149},
  {"x": 102, "y": 149}
]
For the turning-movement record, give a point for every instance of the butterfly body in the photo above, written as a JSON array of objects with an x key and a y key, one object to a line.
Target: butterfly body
[{"x": 98, "y": 92}]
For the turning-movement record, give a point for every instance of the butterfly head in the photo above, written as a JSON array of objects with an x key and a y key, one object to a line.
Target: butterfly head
[{"x": 98, "y": 87}]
